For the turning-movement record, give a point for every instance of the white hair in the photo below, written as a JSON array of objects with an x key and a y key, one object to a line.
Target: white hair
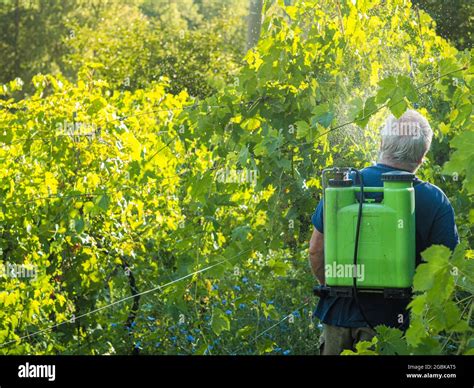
[{"x": 406, "y": 140}]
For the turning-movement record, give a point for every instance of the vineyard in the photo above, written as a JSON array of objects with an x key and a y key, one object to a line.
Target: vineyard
[{"x": 171, "y": 214}]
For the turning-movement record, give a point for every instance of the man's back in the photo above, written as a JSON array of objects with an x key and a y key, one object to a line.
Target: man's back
[{"x": 434, "y": 225}]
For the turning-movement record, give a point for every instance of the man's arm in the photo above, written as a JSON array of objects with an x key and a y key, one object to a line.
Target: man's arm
[
  {"x": 444, "y": 229},
  {"x": 316, "y": 255}
]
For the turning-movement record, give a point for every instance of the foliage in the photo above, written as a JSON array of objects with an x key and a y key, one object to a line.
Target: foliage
[
  {"x": 452, "y": 20},
  {"x": 444, "y": 288},
  {"x": 196, "y": 44},
  {"x": 206, "y": 203}
]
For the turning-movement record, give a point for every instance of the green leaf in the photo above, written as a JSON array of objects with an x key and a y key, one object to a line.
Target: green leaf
[
  {"x": 398, "y": 105},
  {"x": 444, "y": 316},
  {"x": 240, "y": 233},
  {"x": 322, "y": 116},
  {"x": 464, "y": 112},
  {"x": 363, "y": 348},
  {"x": 302, "y": 129},
  {"x": 103, "y": 202},
  {"x": 470, "y": 352},
  {"x": 365, "y": 113},
  {"x": 396, "y": 90},
  {"x": 268, "y": 145},
  {"x": 219, "y": 321},
  {"x": 448, "y": 65},
  {"x": 245, "y": 331},
  {"x": 251, "y": 124},
  {"x": 269, "y": 311},
  {"x": 265, "y": 345},
  {"x": 79, "y": 224},
  {"x": 244, "y": 155},
  {"x": 88, "y": 207},
  {"x": 292, "y": 11},
  {"x": 278, "y": 266},
  {"x": 462, "y": 160},
  {"x": 437, "y": 257},
  {"x": 387, "y": 88},
  {"x": 390, "y": 341},
  {"x": 201, "y": 349},
  {"x": 405, "y": 84},
  {"x": 96, "y": 105},
  {"x": 418, "y": 304},
  {"x": 426, "y": 346},
  {"x": 200, "y": 186},
  {"x": 415, "y": 333},
  {"x": 434, "y": 276}
]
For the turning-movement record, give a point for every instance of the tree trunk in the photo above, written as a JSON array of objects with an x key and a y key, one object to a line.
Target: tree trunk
[
  {"x": 254, "y": 22},
  {"x": 16, "y": 67}
]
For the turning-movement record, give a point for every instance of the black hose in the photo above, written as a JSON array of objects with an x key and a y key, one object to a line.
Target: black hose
[{"x": 356, "y": 248}]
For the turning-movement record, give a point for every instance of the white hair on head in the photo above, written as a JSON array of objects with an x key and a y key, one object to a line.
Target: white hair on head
[{"x": 405, "y": 140}]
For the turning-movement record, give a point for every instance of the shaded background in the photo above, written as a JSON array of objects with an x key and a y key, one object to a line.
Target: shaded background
[{"x": 198, "y": 44}]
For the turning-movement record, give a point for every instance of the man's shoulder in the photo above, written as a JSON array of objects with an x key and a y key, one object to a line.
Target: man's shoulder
[{"x": 431, "y": 194}]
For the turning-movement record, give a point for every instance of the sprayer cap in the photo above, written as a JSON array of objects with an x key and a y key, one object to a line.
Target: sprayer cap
[
  {"x": 340, "y": 182},
  {"x": 398, "y": 176}
]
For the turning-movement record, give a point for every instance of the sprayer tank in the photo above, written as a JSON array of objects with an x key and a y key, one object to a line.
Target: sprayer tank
[{"x": 386, "y": 254}]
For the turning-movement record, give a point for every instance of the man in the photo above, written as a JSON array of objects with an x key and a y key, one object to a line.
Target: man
[{"x": 404, "y": 144}]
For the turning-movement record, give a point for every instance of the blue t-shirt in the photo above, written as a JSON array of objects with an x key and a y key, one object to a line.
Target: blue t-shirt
[{"x": 434, "y": 217}]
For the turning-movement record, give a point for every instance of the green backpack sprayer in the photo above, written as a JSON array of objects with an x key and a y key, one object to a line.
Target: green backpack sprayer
[{"x": 369, "y": 245}]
